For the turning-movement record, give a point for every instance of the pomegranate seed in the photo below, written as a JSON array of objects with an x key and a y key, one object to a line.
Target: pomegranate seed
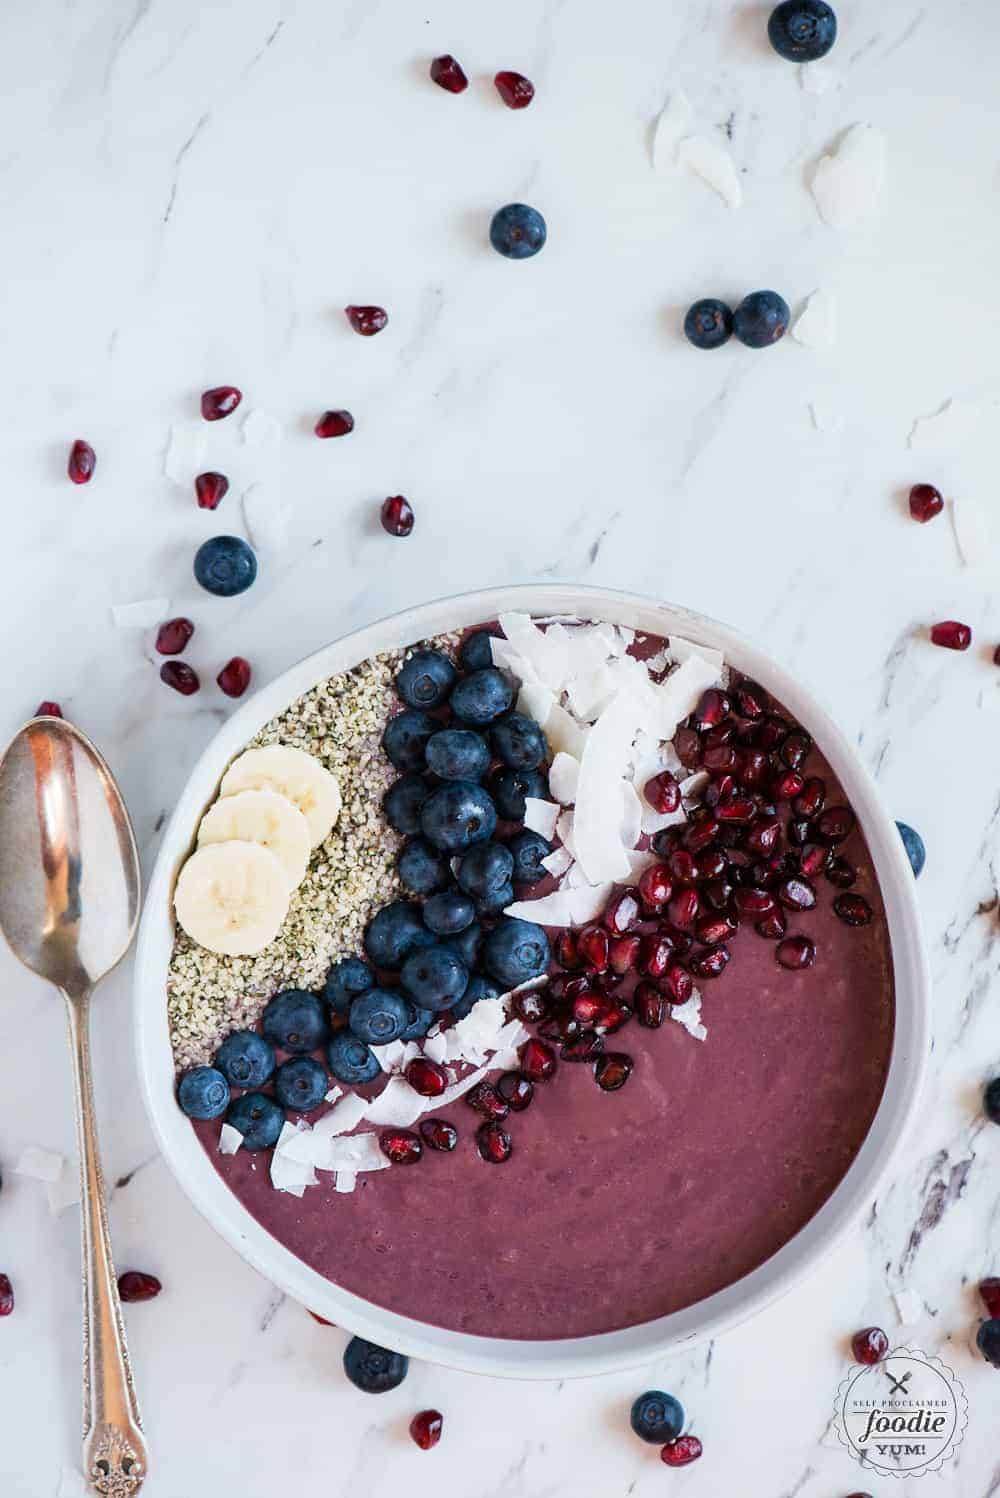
[
  {"x": 717, "y": 893},
  {"x": 681, "y": 1452},
  {"x": 397, "y": 515},
  {"x": 494, "y": 1143},
  {"x": 853, "y": 910},
  {"x": 701, "y": 832},
  {"x": 687, "y": 747},
  {"x": 736, "y": 809},
  {"x": 516, "y": 1090},
  {"x": 751, "y": 767},
  {"x": 835, "y": 824},
  {"x": 787, "y": 785},
  {"x": 532, "y": 1007},
  {"x": 925, "y": 502},
  {"x": 814, "y": 858},
  {"x": 751, "y": 699},
  {"x": 210, "y": 489},
  {"x": 771, "y": 733},
  {"x": 587, "y": 1045},
  {"x": 796, "y": 952},
  {"x": 678, "y": 985},
  {"x": 612, "y": 1070},
  {"x": 682, "y": 866},
  {"x": 841, "y": 873},
  {"x": 650, "y": 1006},
  {"x": 797, "y": 894},
  {"x": 173, "y": 636},
  {"x": 667, "y": 841},
  {"x": 48, "y": 709},
  {"x": 401, "y": 1146},
  {"x": 6, "y": 1295},
  {"x": 234, "y": 678},
  {"x": 588, "y": 1007},
  {"x": 623, "y": 953},
  {"x": 449, "y": 74},
  {"x": 951, "y": 635},
  {"x": 989, "y": 1292},
  {"x": 515, "y": 90},
  {"x": 426, "y": 1077},
  {"x": 614, "y": 1017},
  {"x": 796, "y": 750},
  {"x": 567, "y": 953},
  {"x": 723, "y": 733},
  {"x": 592, "y": 944},
  {"x": 562, "y": 1028},
  {"x": 712, "y": 864},
  {"x": 684, "y": 908},
  {"x": 773, "y": 926},
  {"x": 655, "y": 952},
  {"x": 334, "y": 424},
  {"x": 438, "y": 1133},
  {"x": 762, "y": 836},
  {"x": 220, "y": 401},
  {"x": 768, "y": 873},
  {"x": 870, "y": 1345},
  {"x": 753, "y": 903},
  {"x": 487, "y": 1101},
  {"x": 622, "y": 911},
  {"x": 82, "y": 462},
  {"x": 367, "y": 320},
  {"x": 713, "y": 929},
  {"x": 179, "y": 676},
  {"x": 711, "y": 963},
  {"x": 799, "y": 831},
  {"x": 538, "y": 1060},
  {"x": 718, "y": 787},
  {"x": 321, "y": 1319},
  {"x": 811, "y": 799},
  {"x": 655, "y": 886},
  {"x": 712, "y": 707},
  {"x": 135, "y": 1285},
  {"x": 721, "y": 758},
  {"x": 662, "y": 792},
  {"x": 425, "y": 1428}
]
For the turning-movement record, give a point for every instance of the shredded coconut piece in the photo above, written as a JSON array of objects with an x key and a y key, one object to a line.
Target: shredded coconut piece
[
  {"x": 849, "y": 181},
  {"x": 713, "y": 164},
  {"x": 230, "y": 1139}
]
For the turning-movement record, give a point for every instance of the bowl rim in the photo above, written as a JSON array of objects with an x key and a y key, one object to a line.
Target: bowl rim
[{"x": 573, "y": 1356}]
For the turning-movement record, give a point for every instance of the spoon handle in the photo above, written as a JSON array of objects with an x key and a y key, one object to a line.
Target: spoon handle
[{"x": 114, "y": 1451}]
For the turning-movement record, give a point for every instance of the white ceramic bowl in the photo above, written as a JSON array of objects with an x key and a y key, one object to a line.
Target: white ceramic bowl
[{"x": 575, "y": 1356}]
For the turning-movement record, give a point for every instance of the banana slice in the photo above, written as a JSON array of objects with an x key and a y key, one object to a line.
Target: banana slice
[
  {"x": 232, "y": 897},
  {"x": 294, "y": 774},
  {"x": 264, "y": 817}
]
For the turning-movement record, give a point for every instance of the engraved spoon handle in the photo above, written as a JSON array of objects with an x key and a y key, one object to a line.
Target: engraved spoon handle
[{"x": 114, "y": 1452}]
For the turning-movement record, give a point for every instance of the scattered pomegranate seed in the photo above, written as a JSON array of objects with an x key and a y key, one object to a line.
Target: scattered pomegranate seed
[
  {"x": 485, "y": 1099},
  {"x": 425, "y": 1428},
  {"x": 719, "y": 735},
  {"x": 711, "y": 963},
  {"x": 715, "y": 928},
  {"x": 367, "y": 320},
  {"x": 841, "y": 873},
  {"x": 835, "y": 824},
  {"x": 220, "y": 401},
  {"x": 814, "y": 858},
  {"x": 951, "y": 635},
  {"x": 722, "y": 758},
  {"x": 763, "y": 835},
  {"x": 752, "y": 902},
  {"x": 678, "y": 984},
  {"x": 701, "y": 831},
  {"x": 397, "y": 515},
  {"x": 771, "y": 732},
  {"x": 494, "y": 1143},
  {"x": 515, "y": 90},
  {"x": 799, "y": 830},
  {"x": 589, "y": 1007},
  {"x": 321, "y": 1319},
  {"x": 593, "y": 946},
  {"x": 796, "y": 952},
  {"x": 438, "y": 1133},
  {"x": 811, "y": 799},
  {"x": 925, "y": 502},
  {"x": 6, "y": 1295},
  {"x": 787, "y": 785},
  {"x": 48, "y": 709},
  {"x": 612, "y": 1070},
  {"x": 717, "y": 893},
  {"x": 662, "y": 792},
  {"x": 751, "y": 767},
  {"x": 736, "y": 809},
  {"x": 797, "y": 894},
  {"x": 711, "y": 864},
  {"x": 401, "y": 1146},
  {"x": 623, "y": 953},
  {"x": 751, "y": 699},
  {"x": 538, "y": 1060},
  {"x": 684, "y": 908},
  {"x": 681, "y": 1452},
  {"x": 179, "y": 676},
  {"x": 532, "y": 1007},
  {"x": 682, "y": 866},
  {"x": 449, "y": 74},
  {"x": 585, "y": 1047},
  {"x": 82, "y": 462},
  {"x": 870, "y": 1345},
  {"x": 210, "y": 490},
  {"x": 796, "y": 750},
  {"x": 426, "y": 1077},
  {"x": 234, "y": 678},
  {"x": 173, "y": 636},
  {"x": 655, "y": 953},
  {"x": 989, "y": 1292},
  {"x": 853, "y": 910},
  {"x": 687, "y": 747},
  {"x": 516, "y": 1090},
  {"x": 650, "y": 1005},
  {"x": 622, "y": 911},
  {"x": 334, "y": 424},
  {"x": 712, "y": 707},
  {"x": 773, "y": 926},
  {"x": 135, "y": 1285}
]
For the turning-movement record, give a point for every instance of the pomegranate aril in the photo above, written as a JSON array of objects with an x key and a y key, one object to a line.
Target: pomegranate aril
[
  {"x": 334, "y": 424},
  {"x": 612, "y": 1070},
  {"x": 667, "y": 840},
  {"x": 179, "y": 676},
  {"x": 173, "y": 636},
  {"x": 753, "y": 902},
  {"x": 721, "y": 759},
  {"x": 687, "y": 747},
  {"x": 799, "y": 830},
  {"x": 762, "y": 836},
  {"x": 48, "y": 709},
  {"x": 712, "y": 707},
  {"x": 681, "y": 1451},
  {"x": 771, "y": 732},
  {"x": 425, "y": 1428},
  {"x": 396, "y": 515},
  {"x": 449, "y": 74},
  {"x": 811, "y": 799},
  {"x": 6, "y": 1295},
  {"x": 715, "y": 928},
  {"x": 614, "y": 1017},
  {"x": 655, "y": 886},
  {"x": 841, "y": 873},
  {"x": 797, "y": 894},
  {"x": 768, "y": 873},
  {"x": 210, "y": 489},
  {"x": 683, "y": 909},
  {"x": 494, "y": 1143},
  {"x": 655, "y": 952},
  {"x": 796, "y": 952},
  {"x": 718, "y": 787},
  {"x": 234, "y": 678},
  {"x": 401, "y": 1146},
  {"x": 515, "y": 90},
  {"x": 786, "y": 785},
  {"x": 485, "y": 1099},
  {"x": 623, "y": 953},
  {"x": 426, "y": 1077},
  {"x": 538, "y": 1060},
  {"x": 567, "y": 950},
  {"x": 796, "y": 749},
  {"x": 82, "y": 462},
  {"x": 989, "y": 1294},
  {"x": 592, "y": 945},
  {"x": 562, "y": 1028},
  {"x": 712, "y": 864},
  {"x": 870, "y": 1345},
  {"x": 587, "y": 1007},
  {"x": 773, "y": 926},
  {"x": 682, "y": 866},
  {"x": 853, "y": 910},
  {"x": 722, "y": 734},
  {"x": 650, "y": 1005},
  {"x": 751, "y": 767},
  {"x": 367, "y": 320},
  {"x": 532, "y": 1007},
  {"x": 585, "y": 1047},
  {"x": 711, "y": 963},
  {"x": 439, "y": 1134},
  {"x": 701, "y": 833},
  {"x": 220, "y": 401},
  {"x": 622, "y": 911},
  {"x": 717, "y": 893},
  {"x": 925, "y": 502},
  {"x": 683, "y": 940},
  {"x": 951, "y": 635},
  {"x": 677, "y": 984},
  {"x": 751, "y": 699},
  {"x": 516, "y": 1089},
  {"x": 814, "y": 858},
  {"x": 663, "y": 792},
  {"x": 736, "y": 809},
  {"x": 835, "y": 824},
  {"x": 135, "y": 1285}
]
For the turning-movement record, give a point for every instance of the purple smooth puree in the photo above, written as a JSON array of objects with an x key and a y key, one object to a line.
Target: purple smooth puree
[{"x": 616, "y": 1208}]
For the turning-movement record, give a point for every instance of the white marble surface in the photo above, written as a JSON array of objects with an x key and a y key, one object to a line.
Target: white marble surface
[{"x": 191, "y": 193}]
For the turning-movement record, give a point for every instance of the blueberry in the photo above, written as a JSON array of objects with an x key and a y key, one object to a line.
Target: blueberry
[
  {"x": 295, "y": 1021},
  {"x": 517, "y": 231},
  {"x": 350, "y": 1059},
  {"x": 345, "y": 980},
  {"x": 434, "y": 979},
  {"x": 420, "y": 1022},
  {"x": 380, "y": 1015},
  {"x": 529, "y": 848},
  {"x": 991, "y": 1100},
  {"x": 403, "y": 801},
  {"x": 245, "y": 1059},
  {"x": 519, "y": 742},
  {"x": 203, "y": 1092},
  {"x": 474, "y": 653},
  {"x": 509, "y": 788},
  {"x": 657, "y": 1417},
  {"x": 914, "y": 845},
  {"x": 467, "y": 944},
  {"x": 458, "y": 754},
  {"x": 394, "y": 932},
  {"x": 457, "y": 815},
  {"x": 425, "y": 679},
  {"x": 485, "y": 869},
  {"x": 405, "y": 738},
  {"x": 761, "y": 319},
  {"x": 496, "y": 900},
  {"x": 374, "y": 1369},
  {"x": 708, "y": 323},
  {"x": 259, "y": 1119},
  {"x": 448, "y": 913},
  {"x": 988, "y": 1340},
  {"x": 421, "y": 869},
  {"x": 225, "y": 565},
  {"x": 482, "y": 696},
  {"x": 301, "y": 1084},
  {"x": 515, "y": 951},
  {"x": 478, "y": 987},
  {"x": 802, "y": 30}
]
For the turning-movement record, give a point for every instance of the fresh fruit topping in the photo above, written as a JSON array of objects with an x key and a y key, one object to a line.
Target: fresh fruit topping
[
  {"x": 752, "y": 902},
  {"x": 6, "y": 1295},
  {"x": 584, "y": 1047},
  {"x": 750, "y": 698},
  {"x": 379, "y": 1016},
  {"x": 622, "y": 913},
  {"x": 494, "y": 1143},
  {"x": 713, "y": 707},
  {"x": 173, "y": 636},
  {"x": 736, "y": 808},
  {"x": 835, "y": 824},
  {"x": 403, "y": 801},
  {"x": 295, "y": 1021},
  {"x": 334, "y": 424},
  {"x": 475, "y": 652},
  {"x": 528, "y": 850},
  {"x": 925, "y": 502},
  {"x": 294, "y": 774},
  {"x": 515, "y": 90},
  {"x": 655, "y": 886},
  {"x": 210, "y": 490},
  {"x": 802, "y": 30},
  {"x": 421, "y": 869},
  {"x": 989, "y": 1294},
  {"x": 345, "y": 980},
  {"x": 232, "y": 897},
  {"x": 516, "y": 951},
  {"x": 258, "y": 1118},
  {"x": 516, "y": 1090},
  {"x": 797, "y": 894},
  {"x": 773, "y": 925},
  {"x": 426, "y": 1077},
  {"x": 401, "y": 1146},
  {"x": 486, "y": 1100},
  {"x": 761, "y": 319},
  {"x": 448, "y": 74},
  {"x": 439, "y": 1134},
  {"x": 425, "y": 679},
  {"x": 988, "y": 1341},
  {"x": 483, "y": 696},
  {"x": 612, "y": 1070},
  {"x": 951, "y": 635},
  {"x": 593, "y": 945},
  {"x": 663, "y": 792},
  {"x": 708, "y": 323},
  {"x": 405, "y": 739},
  {"x": 538, "y": 1060},
  {"x": 180, "y": 676},
  {"x": 811, "y": 799},
  {"x": 684, "y": 908},
  {"x": 220, "y": 401},
  {"x": 650, "y": 1005},
  {"x": 397, "y": 515},
  {"x": 678, "y": 984},
  {"x": 532, "y": 1007},
  {"x": 623, "y": 953},
  {"x": 448, "y": 913},
  {"x": 425, "y": 1428},
  {"x": 914, "y": 845},
  {"x": 203, "y": 1092},
  {"x": 510, "y": 787},
  {"x": 456, "y": 817},
  {"x": 711, "y": 963},
  {"x": 796, "y": 952},
  {"x": 814, "y": 858},
  {"x": 301, "y": 1084},
  {"x": 853, "y": 910},
  {"x": 225, "y": 566},
  {"x": 517, "y": 232},
  {"x": 234, "y": 678},
  {"x": 682, "y": 1452},
  {"x": 841, "y": 873},
  {"x": 135, "y": 1285},
  {"x": 245, "y": 1059},
  {"x": 82, "y": 462},
  {"x": 518, "y": 742},
  {"x": 869, "y": 1345},
  {"x": 367, "y": 320},
  {"x": 657, "y": 1417},
  {"x": 393, "y": 933},
  {"x": 351, "y": 1060},
  {"x": 458, "y": 754},
  {"x": 373, "y": 1369},
  {"x": 687, "y": 747}
]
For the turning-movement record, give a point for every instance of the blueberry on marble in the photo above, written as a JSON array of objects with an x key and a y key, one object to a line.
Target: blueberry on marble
[
  {"x": 988, "y": 1340},
  {"x": 402, "y": 803},
  {"x": 405, "y": 738},
  {"x": 466, "y": 944},
  {"x": 510, "y": 787},
  {"x": 484, "y": 869},
  {"x": 421, "y": 868},
  {"x": 380, "y": 1015},
  {"x": 517, "y": 232},
  {"x": 425, "y": 679},
  {"x": 458, "y": 754},
  {"x": 301, "y": 1084},
  {"x": 761, "y": 319},
  {"x": 482, "y": 696},
  {"x": 351, "y": 1060},
  {"x": 434, "y": 979},
  {"x": 448, "y": 913},
  {"x": 708, "y": 323},
  {"x": 374, "y": 1369},
  {"x": 203, "y": 1092},
  {"x": 475, "y": 653},
  {"x": 914, "y": 845},
  {"x": 515, "y": 951},
  {"x": 457, "y": 815},
  {"x": 802, "y": 30},
  {"x": 245, "y": 1059},
  {"x": 225, "y": 566},
  {"x": 657, "y": 1417},
  {"x": 528, "y": 850},
  {"x": 420, "y": 1022},
  {"x": 394, "y": 932},
  {"x": 295, "y": 1021},
  {"x": 991, "y": 1100},
  {"x": 345, "y": 980},
  {"x": 519, "y": 742},
  {"x": 478, "y": 987},
  {"x": 259, "y": 1119}
]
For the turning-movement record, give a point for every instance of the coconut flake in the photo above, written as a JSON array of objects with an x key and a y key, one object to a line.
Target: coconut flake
[
  {"x": 342, "y": 1118},
  {"x": 556, "y": 863},
  {"x": 548, "y": 910},
  {"x": 673, "y": 122},
  {"x": 184, "y": 457},
  {"x": 587, "y": 902},
  {"x": 540, "y": 816},
  {"x": 597, "y": 814},
  {"x": 359, "y": 1152},
  {"x": 677, "y": 697},
  {"x": 589, "y": 692},
  {"x": 334, "y": 1094},
  {"x": 390, "y": 1057},
  {"x": 481, "y": 1033},
  {"x": 291, "y": 1175},
  {"x": 536, "y": 700},
  {"x": 679, "y": 650},
  {"x": 142, "y": 614},
  {"x": 564, "y": 776},
  {"x": 689, "y": 1015},
  {"x": 507, "y": 658},
  {"x": 849, "y": 180},
  {"x": 436, "y": 1047},
  {"x": 230, "y": 1139},
  {"x": 39, "y": 1164},
  {"x": 631, "y": 824},
  {"x": 260, "y": 429},
  {"x": 344, "y": 1181},
  {"x": 816, "y": 325},
  {"x": 714, "y": 165},
  {"x": 564, "y": 831},
  {"x": 397, "y": 1105},
  {"x": 564, "y": 734},
  {"x": 265, "y": 516}
]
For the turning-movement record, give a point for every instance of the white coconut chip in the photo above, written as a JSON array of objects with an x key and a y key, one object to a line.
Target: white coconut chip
[
  {"x": 677, "y": 697},
  {"x": 689, "y": 1015},
  {"x": 260, "y": 429},
  {"x": 397, "y": 1105},
  {"x": 342, "y": 1117},
  {"x": 848, "y": 182},
  {"x": 555, "y": 863},
  {"x": 548, "y": 910},
  {"x": 564, "y": 831},
  {"x": 140, "y": 615},
  {"x": 673, "y": 123},
  {"x": 597, "y": 814},
  {"x": 291, "y": 1175},
  {"x": 334, "y": 1094},
  {"x": 587, "y": 902},
  {"x": 564, "y": 734},
  {"x": 816, "y": 325},
  {"x": 631, "y": 824},
  {"x": 390, "y": 1057},
  {"x": 658, "y": 662},
  {"x": 640, "y": 861},
  {"x": 713, "y": 164},
  {"x": 536, "y": 700},
  {"x": 184, "y": 457},
  {"x": 230, "y": 1139},
  {"x": 590, "y": 692},
  {"x": 40, "y": 1164},
  {"x": 436, "y": 1047},
  {"x": 564, "y": 776},
  {"x": 679, "y": 649},
  {"x": 344, "y": 1182},
  {"x": 540, "y": 816},
  {"x": 265, "y": 516},
  {"x": 973, "y": 532}
]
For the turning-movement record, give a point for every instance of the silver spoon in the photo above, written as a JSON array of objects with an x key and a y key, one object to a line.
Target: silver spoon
[{"x": 69, "y": 902}]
